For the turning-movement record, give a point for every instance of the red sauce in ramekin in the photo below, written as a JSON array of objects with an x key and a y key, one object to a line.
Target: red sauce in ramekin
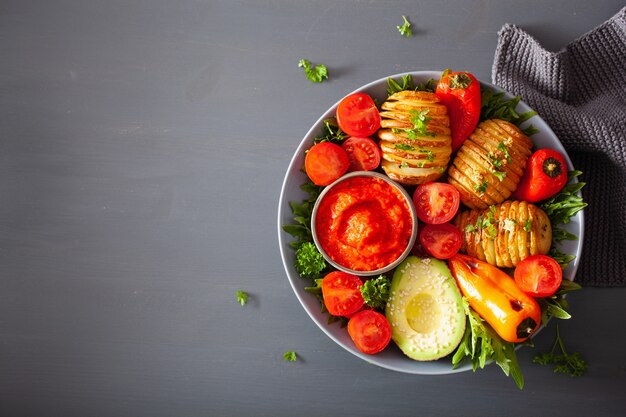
[{"x": 363, "y": 223}]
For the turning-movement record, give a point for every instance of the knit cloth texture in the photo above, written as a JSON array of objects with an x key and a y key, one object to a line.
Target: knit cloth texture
[{"x": 580, "y": 92}]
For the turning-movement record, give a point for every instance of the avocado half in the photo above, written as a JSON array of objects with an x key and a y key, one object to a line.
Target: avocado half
[{"x": 425, "y": 309}]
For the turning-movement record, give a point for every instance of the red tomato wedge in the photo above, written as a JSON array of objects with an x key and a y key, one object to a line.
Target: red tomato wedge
[
  {"x": 357, "y": 115},
  {"x": 538, "y": 275},
  {"x": 370, "y": 331},
  {"x": 460, "y": 92},
  {"x": 363, "y": 153},
  {"x": 436, "y": 202},
  {"x": 442, "y": 241},
  {"x": 342, "y": 293},
  {"x": 326, "y": 162}
]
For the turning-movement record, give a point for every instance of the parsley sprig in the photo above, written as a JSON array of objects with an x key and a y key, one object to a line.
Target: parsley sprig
[
  {"x": 316, "y": 74},
  {"x": 375, "y": 292},
  {"x": 562, "y": 361},
  {"x": 331, "y": 132},
  {"x": 242, "y": 297},
  {"x": 405, "y": 29}
]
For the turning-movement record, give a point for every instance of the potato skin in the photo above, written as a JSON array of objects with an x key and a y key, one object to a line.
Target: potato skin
[
  {"x": 505, "y": 234},
  {"x": 488, "y": 166}
]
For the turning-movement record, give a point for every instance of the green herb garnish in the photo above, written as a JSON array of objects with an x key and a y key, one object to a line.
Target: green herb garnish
[
  {"x": 404, "y": 147},
  {"x": 500, "y": 175},
  {"x": 566, "y": 203},
  {"x": 562, "y": 361},
  {"x": 290, "y": 356},
  {"x": 376, "y": 292},
  {"x": 301, "y": 228},
  {"x": 242, "y": 297},
  {"x": 481, "y": 344},
  {"x": 494, "y": 106},
  {"x": 560, "y": 208},
  {"x": 309, "y": 260},
  {"x": 406, "y": 81},
  {"x": 481, "y": 188},
  {"x": 405, "y": 29},
  {"x": 316, "y": 74},
  {"x": 331, "y": 132}
]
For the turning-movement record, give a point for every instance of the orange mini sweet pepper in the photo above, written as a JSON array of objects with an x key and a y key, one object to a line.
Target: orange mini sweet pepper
[{"x": 493, "y": 294}]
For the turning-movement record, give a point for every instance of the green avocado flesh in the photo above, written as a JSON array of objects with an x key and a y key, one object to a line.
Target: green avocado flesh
[{"x": 425, "y": 309}]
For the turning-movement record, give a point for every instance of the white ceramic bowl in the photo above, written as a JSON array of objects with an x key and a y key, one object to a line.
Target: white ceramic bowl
[{"x": 392, "y": 358}]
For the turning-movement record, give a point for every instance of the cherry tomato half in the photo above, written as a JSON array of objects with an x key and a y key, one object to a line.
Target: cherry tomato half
[
  {"x": 538, "y": 275},
  {"x": 436, "y": 202},
  {"x": 342, "y": 293},
  {"x": 370, "y": 331},
  {"x": 357, "y": 115},
  {"x": 325, "y": 162},
  {"x": 441, "y": 240},
  {"x": 363, "y": 153},
  {"x": 460, "y": 92}
]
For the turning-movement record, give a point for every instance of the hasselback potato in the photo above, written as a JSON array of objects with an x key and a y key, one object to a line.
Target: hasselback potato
[
  {"x": 506, "y": 233},
  {"x": 490, "y": 163},
  {"x": 414, "y": 137}
]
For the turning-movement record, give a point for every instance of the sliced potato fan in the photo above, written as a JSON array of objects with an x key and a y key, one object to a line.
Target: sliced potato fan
[
  {"x": 414, "y": 137},
  {"x": 490, "y": 163},
  {"x": 505, "y": 234}
]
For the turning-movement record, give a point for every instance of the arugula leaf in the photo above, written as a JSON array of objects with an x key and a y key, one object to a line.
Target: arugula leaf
[
  {"x": 290, "y": 356},
  {"x": 405, "y": 29},
  {"x": 301, "y": 228},
  {"x": 394, "y": 86},
  {"x": 376, "y": 292},
  {"x": 481, "y": 344},
  {"x": 242, "y": 297},
  {"x": 494, "y": 106},
  {"x": 556, "y": 305},
  {"x": 566, "y": 203},
  {"x": 316, "y": 74},
  {"x": 562, "y": 361},
  {"x": 560, "y": 208}
]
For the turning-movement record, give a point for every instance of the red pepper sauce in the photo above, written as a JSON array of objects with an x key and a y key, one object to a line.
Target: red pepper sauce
[{"x": 363, "y": 223}]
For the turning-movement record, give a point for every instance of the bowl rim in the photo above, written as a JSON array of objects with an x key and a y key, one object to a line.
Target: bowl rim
[
  {"x": 310, "y": 303},
  {"x": 397, "y": 187}
]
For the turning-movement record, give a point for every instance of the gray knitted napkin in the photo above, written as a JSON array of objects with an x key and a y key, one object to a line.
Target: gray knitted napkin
[{"x": 580, "y": 92}]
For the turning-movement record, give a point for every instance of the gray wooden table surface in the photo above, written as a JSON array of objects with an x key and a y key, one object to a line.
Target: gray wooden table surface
[{"x": 143, "y": 145}]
